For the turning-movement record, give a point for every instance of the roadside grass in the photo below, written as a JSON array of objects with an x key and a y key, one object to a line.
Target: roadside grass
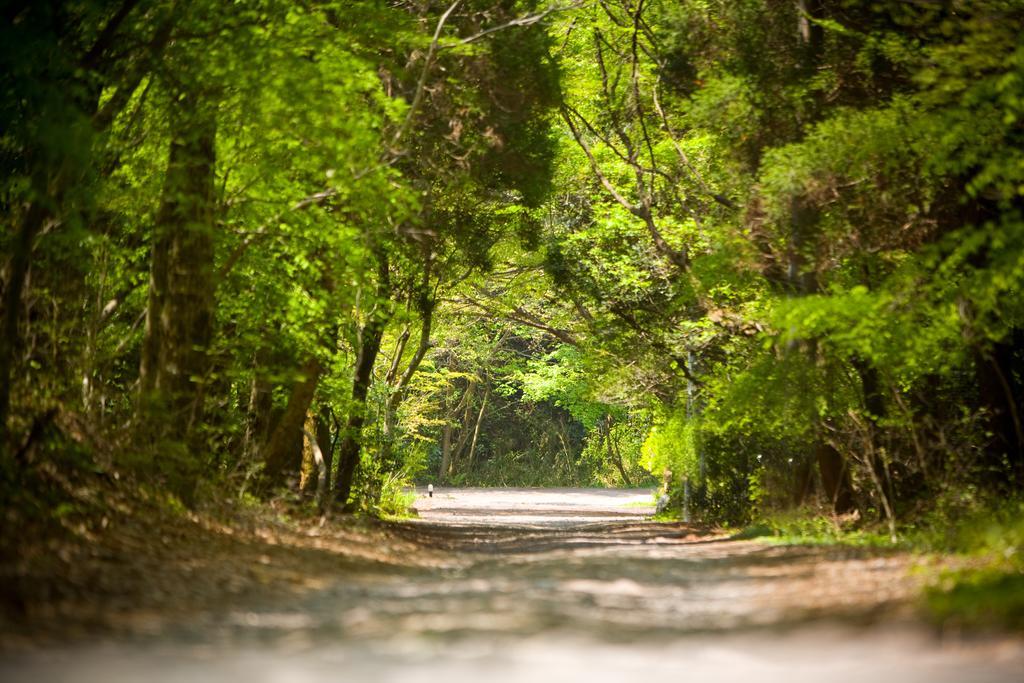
[
  {"x": 803, "y": 527},
  {"x": 986, "y": 588},
  {"x": 972, "y": 557},
  {"x": 639, "y": 504},
  {"x": 978, "y": 598}
]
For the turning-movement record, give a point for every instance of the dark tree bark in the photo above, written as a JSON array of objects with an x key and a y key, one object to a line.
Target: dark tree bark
[
  {"x": 465, "y": 428},
  {"x": 283, "y": 452},
  {"x": 449, "y": 450},
  {"x": 874, "y": 405},
  {"x": 833, "y": 470},
  {"x": 426, "y": 307},
  {"x": 21, "y": 256},
  {"x": 259, "y": 422},
  {"x": 997, "y": 369},
  {"x": 370, "y": 336},
  {"x": 350, "y": 449},
  {"x": 446, "y": 452},
  {"x": 179, "y": 316},
  {"x": 803, "y": 480},
  {"x": 615, "y": 455},
  {"x": 835, "y": 478},
  {"x": 812, "y": 34},
  {"x": 315, "y": 472}
]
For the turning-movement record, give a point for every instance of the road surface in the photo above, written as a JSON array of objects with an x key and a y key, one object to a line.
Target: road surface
[{"x": 561, "y": 585}]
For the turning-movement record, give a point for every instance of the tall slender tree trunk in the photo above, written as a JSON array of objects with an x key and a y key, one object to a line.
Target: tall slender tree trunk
[
  {"x": 21, "y": 255},
  {"x": 426, "y": 310},
  {"x": 315, "y": 477},
  {"x": 446, "y": 452},
  {"x": 466, "y": 405},
  {"x": 371, "y": 334},
  {"x": 316, "y": 467},
  {"x": 350, "y": 449},
  {"x": 833, "y": 468},
  {"x": 615, "y": 455},
  {"x": 324, "y": 438},
  {"x": 179, "y": 316},
  {"x": 999, "y": 387},
  {"x": 259, "y": 422},
  {"x": 874, "y": 404},
  {"x": 390, "y": 380},
  {"x": 310, "y": 468},
  {"x": 476, "y": 429},
  {"x": 812, "y": 34},
  {"x": 398, "y": 394}
]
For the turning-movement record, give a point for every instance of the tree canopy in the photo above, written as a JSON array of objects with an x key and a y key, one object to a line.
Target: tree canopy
[{"x": 767, "y": 253}]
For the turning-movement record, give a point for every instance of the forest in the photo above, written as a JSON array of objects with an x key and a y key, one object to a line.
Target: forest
[{"x": 764, "y": 256}]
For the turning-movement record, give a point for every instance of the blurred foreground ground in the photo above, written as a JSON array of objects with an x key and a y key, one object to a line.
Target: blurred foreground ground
[{"x": 519, "y": 585}]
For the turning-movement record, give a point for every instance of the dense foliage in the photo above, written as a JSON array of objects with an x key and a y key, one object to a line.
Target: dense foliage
[{"x": 768, "y": 253}]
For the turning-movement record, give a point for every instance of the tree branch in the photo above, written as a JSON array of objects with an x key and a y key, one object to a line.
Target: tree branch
[
  {"x": 264, "y": 230},
  {"x": 596, "y": 168},
  {"x": 526, "y": 20},
  {"x": 91, "y": 60},
  {"x": 421, "y": 84},
  {"x": 523, "y": 317},
  {"x": 657, "y": 344},
  {"x": 724, "y": 201}
]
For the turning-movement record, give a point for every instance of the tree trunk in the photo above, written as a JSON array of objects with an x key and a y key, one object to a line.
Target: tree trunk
[
  {"x": 323, "y": 437},
  {"x": 835, "y": 478},
  {"x": 310, "y": 469},
  {"x": 391, "y": 416},
  {"x": 397, "y": 395},
  {"x": 803, "y": 481},
  {"x": 467, "y": 407},
  {"x": 179, "y": 316},
  {"x": 616, "y": 456},
  {"x": 446, "y": 451},
  {"x": 259, "y": 422},
  {"x": 874, "y": 404},
  {"x": 349, "y": 450},
  {"x": 283, "y": 452},
  {"x": 323, "y": 470},
  {"x": 804, "y": 219},
  {"x": 476, "y": 429},
  {"x": 317, "y": 451},
  {"x": 1000, "y": 393},
  {"x": 21, "y": 255},
  {"x": 812, "y": 34}
]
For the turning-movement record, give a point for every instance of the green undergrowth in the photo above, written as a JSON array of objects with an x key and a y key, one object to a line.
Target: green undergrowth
[
  {"x": 802, "y": 527},
  {"x": 396, "y": 506},
  {"x": 991, "y": 596},
  {"x": 985, "y": 588}
]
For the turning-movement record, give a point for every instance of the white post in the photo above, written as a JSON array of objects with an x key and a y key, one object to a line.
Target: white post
[{"x": 686, "y": 500}]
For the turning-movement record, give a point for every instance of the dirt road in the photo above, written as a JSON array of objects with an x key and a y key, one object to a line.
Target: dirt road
[{"x": 560, "y": 585}]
